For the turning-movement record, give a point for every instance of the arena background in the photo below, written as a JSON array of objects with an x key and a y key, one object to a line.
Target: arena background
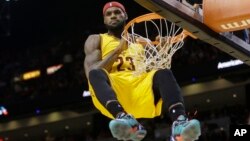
[{"x": 43, "y": 89}]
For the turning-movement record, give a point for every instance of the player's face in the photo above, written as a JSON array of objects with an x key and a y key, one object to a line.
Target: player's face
[{"x": 114, "y": 18}]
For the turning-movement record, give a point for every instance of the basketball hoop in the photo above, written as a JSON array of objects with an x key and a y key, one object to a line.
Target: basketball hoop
[{"x": 147, "y": 51}]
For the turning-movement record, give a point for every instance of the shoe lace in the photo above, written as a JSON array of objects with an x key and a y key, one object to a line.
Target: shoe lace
[{"x": 132, "y": 121}]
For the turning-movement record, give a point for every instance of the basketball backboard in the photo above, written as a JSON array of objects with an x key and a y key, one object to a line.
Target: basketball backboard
[{"x": 188, "y": 18}]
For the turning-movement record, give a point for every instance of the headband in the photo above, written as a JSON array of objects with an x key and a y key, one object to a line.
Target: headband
[{"x": 113, "y": 4}]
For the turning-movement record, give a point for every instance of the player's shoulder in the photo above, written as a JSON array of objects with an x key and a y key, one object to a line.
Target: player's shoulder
[
  {"x": 92, "y": 42},
  {"x": 94, "y": 37}
]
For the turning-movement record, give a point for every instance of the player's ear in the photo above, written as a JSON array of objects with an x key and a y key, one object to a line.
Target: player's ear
[
  {"x": 104, "y": 21},
  {"x": 126, "y": 16}
]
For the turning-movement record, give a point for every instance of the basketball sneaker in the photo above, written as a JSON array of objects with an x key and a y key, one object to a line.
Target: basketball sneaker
[
  {"x": 126, "y": 127},
  {"x": 187, "y": 130}
]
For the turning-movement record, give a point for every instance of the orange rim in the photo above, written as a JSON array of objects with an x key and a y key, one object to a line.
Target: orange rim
[
  {"x": 143, "y": 18},
  {"x": 154, "y": 16}
]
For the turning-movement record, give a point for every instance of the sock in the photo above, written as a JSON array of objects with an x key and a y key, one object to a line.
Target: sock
[
  {"x": 114, "y": 107},
  {"x": 176, "y": 111},
  {"x": 120, "y": 115}
]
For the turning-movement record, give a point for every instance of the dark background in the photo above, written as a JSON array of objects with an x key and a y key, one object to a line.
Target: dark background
[{"x": 36, "y": 34}]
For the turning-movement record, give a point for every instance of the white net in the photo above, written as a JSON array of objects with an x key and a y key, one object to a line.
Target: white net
[{"x": 154, "y": 48}]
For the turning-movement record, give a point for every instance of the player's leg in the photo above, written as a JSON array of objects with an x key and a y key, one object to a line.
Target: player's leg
[
  {"x": 124, "y": 126},
  {"x": 165, "y": 84},
  {"x": 104, "y": 92}
]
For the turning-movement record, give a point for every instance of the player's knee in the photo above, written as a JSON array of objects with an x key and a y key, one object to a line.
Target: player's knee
[
  {"x": 95, "y": 75},
  {"x": 165, "y": 73}
]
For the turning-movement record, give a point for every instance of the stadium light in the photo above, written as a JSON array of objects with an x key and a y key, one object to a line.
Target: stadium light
[
  {"x": 53, "y": 69},
  {"x": 31, "y": 74}
]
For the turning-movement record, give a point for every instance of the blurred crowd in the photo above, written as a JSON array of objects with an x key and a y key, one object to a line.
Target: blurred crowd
[
  {"x": 195, "y": 52},
  {"x": 68, "y": 80}
]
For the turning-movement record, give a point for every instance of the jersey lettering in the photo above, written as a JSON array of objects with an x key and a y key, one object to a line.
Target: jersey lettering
[{"x": 121, "y": 61}]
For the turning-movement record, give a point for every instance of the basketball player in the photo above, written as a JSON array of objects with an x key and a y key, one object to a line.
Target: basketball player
[{"x": 117, "y": 94}]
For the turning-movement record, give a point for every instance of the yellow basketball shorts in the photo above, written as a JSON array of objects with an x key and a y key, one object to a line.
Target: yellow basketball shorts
[{"x": 135, "y": 94}]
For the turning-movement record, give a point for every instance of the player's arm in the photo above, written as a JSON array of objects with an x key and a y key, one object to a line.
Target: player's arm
[{"x": 93, "y": 55}]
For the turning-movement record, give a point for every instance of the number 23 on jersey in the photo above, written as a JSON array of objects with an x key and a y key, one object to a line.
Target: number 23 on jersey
[{"x": 125, "y": 63}]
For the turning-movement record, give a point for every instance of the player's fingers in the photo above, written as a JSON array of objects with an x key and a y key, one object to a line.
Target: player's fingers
[{"x": 157, "y": 38}]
